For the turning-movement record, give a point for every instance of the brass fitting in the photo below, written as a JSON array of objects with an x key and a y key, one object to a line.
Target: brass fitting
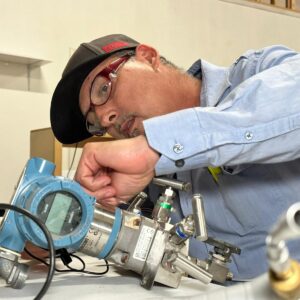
[{"x": 287, "y": 284}]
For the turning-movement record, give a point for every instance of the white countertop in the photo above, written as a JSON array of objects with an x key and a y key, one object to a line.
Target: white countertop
[
  {"x": 123, "y": 284},
  {"x": 115, "y": 284}
]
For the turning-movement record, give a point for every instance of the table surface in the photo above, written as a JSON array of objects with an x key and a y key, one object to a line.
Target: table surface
[
  {"x": 119, "y": 283},
  {"x": 113, "y": 285}
]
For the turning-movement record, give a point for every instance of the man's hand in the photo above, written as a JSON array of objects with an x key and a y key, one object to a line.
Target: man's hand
[{"x": 116, "y": 171}]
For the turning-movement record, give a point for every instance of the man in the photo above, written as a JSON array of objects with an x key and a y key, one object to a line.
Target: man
[{"x": 244, "y": 119}]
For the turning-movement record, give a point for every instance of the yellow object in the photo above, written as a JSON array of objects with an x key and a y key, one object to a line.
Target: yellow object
[
  {"x": 287, "y": 284},
  {"x": 215, "y": 171}
]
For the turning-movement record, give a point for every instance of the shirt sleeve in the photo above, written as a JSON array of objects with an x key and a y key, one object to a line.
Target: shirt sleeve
[{"x": 257, "y": 122}]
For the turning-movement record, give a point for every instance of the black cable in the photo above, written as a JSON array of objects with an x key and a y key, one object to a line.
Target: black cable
[
  {"x": 49, "y": 241},
  {"x": 88, "y": 272},
  {"x": 70, "y": 269},
  {"x": 72, "y": 162},
  {"x": 42, "y": 261}
]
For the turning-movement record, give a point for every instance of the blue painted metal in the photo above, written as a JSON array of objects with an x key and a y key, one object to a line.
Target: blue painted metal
[
  {"x": 113, "y": 235},
  {"x": 35, "y": 183}
]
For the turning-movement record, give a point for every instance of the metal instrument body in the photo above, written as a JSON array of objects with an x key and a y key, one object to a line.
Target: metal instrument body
[
  {"x": 151, "y": 247},
  {"x": 140, "y": 244}
]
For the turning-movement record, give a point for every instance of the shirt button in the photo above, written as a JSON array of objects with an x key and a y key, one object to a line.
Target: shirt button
[
  {"x": 179, "y": 163},
  {"x": 177, "y": 148},
  {"x": 248, "y": 135}
]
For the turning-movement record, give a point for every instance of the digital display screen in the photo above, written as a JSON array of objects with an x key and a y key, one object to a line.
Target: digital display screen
[{"x": 58, "y": 212}]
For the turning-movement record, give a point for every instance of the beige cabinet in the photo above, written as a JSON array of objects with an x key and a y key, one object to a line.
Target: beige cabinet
[{"x": 43, "y": 144}]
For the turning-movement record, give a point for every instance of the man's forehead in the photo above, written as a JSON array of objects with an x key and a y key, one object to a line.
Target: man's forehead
[{"x": 103, "y": 64}]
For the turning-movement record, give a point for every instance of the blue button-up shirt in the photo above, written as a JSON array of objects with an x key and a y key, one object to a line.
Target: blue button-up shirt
[{"x": 248, "y": 123}]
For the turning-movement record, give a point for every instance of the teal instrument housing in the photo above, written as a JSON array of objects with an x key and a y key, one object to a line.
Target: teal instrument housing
[
  {"x": 113, "y": 235},
  {"x": 41, "y": 193}
]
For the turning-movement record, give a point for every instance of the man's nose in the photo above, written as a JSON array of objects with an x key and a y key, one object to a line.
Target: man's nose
[{"x": 108, "y": 117}]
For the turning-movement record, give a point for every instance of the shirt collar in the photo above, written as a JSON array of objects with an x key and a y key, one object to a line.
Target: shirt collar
[{"x": 215, "y": 80}]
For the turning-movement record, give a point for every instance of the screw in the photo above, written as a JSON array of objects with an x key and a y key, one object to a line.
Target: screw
[{"x": 124, "y": 258}]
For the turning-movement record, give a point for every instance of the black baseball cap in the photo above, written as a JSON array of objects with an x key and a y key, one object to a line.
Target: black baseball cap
[{"x": 67, "y": 121}]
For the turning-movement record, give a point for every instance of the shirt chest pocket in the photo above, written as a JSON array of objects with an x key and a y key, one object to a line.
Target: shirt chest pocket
[{"x": 254, "y": 198}]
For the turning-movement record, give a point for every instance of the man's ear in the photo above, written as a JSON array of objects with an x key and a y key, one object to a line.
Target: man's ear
[{"x": 148, "y": 55}]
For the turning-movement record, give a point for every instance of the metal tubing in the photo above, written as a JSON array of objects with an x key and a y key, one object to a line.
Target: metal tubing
[
  {"x": 199, "y": 218},
  {"x": 176, "y": 184},
  {"x": 193, "y": 270},
  {"x": 14, "y": 273},
  {"x": 137, "y": 202},
  {"x": 287, "y": 228}
]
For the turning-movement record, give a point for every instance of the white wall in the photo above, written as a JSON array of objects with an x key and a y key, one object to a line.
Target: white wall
[{"x": 183, "y": 31}]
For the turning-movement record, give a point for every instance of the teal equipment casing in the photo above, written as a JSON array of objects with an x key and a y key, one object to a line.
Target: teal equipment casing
[{"x": 61, "y": 203}]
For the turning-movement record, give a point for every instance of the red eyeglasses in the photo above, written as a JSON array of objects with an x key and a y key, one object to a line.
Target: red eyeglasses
[{"x": 100, "y": 92}]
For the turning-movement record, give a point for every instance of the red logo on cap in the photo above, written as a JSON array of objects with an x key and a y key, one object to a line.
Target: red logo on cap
[{"x": 114, "y": 45}]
